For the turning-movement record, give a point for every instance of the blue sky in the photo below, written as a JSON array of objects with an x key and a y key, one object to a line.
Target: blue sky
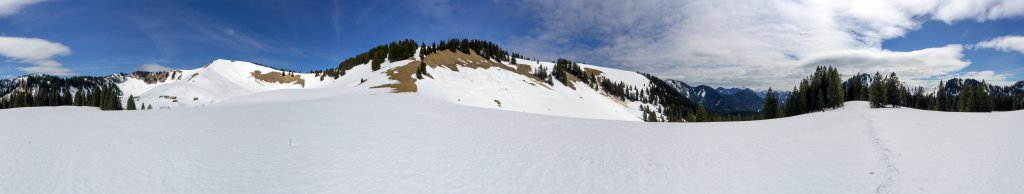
[
  {"x": 114, "y": 36},
  {"x": 936, "y": 33},
  {"x": 756, "y": 44}
]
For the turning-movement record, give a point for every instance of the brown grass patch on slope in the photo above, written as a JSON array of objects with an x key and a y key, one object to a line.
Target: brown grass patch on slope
[
  {"x": 452, "y": 60},
  {"x": 570, "y": 79},
  {"x": 277, "y": 77},
  {"x": 404, "y": 76},
  {"x": 592, "y": 72},
  {"x": 524, "y": 70}
]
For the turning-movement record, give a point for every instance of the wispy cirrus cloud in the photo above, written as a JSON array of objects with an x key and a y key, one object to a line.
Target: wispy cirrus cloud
[
  {"x": 11, "y": 7},
  {"x": 437, "y": 9},
  {"x": 175, "y": 28}
]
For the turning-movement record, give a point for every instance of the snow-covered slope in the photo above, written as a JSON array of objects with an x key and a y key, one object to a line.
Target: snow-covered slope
[
  {"x": 495, "y": 85},
  {"x": 465, "y": 79},
  {"x": 456, "y": 73},
  {"x": 356, "y": 142},
  {"x": 218, "y": 81},
  {"x": 458, "y": 78}
]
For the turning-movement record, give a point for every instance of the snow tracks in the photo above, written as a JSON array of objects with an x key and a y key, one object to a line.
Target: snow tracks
[{"x": 889, "y": 170}]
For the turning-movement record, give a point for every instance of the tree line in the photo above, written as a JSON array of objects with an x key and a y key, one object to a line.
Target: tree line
[
  {"x": 823, "y": 90},
  {"x": 45, "y": 90},
  {"x": 406, "y": 49},
  {"x": 393, "y": 51},
  {"x": 486, "y": 49}
]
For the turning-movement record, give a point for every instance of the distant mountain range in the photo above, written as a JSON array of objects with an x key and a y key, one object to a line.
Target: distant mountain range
[{"x": 738, "y": 100}]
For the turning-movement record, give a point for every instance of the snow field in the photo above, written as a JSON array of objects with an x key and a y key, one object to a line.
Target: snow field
[{"x": 404, "y": 143}]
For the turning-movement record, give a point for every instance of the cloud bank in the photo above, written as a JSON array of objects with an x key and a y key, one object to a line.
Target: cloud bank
[
  {"x": 37, "y": 52},
  {"x": 754, "y": 43}
]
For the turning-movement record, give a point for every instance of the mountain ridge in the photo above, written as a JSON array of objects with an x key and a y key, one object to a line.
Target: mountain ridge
[{"x": 466, "y": 72}]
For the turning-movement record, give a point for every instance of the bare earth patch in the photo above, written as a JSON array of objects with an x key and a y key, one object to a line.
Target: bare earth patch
[
  {"x": 405, "y": 80},
  {"x": 452, "y": 60},
  {"x": 570, "y": 79},
  {"x": 592, "y": 72},
  {"x": 277, "y": 77},
  {"x": 404, "y": 75}
]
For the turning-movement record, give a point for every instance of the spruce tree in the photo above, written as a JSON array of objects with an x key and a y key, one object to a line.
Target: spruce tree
[
  {"x": 965, "y": 102},
  {"x": 984, "y": 98},
  {"x": 421, "y": 70},
  {"x": 836, "y": 90},
  {"x": 876, "y": 93},
  {"x": 941, "y": 98},
  {"x": 702, "y": 114},
  {"x": 131, "y": 102},
  {"x": 79, "y": 98},
  {"x": 893, "y": 90},
  {"x": 769, "y": 110}
]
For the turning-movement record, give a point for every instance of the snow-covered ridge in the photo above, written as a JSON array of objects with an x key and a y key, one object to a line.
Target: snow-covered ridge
[
  {"x": 502, "y": 88},
  {"x": 219, "y": 81},
  {"x": 464, "y": 81},
  {"x": 452, "y": 77}
]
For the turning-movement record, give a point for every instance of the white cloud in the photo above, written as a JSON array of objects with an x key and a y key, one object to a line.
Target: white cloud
[
  {"x": 754, "y": 43},
  {"x": 38, "y": 52},
  {"x": 915, "y": 64},
  {"x": 11, "y": 7},
  {"x": 153, "y": 67},
  {"x": 931, "y": 84},
  {"x": 988, "y": 76},
  {"x": 978, "y": 10},
  {"x": 1005, "y": 44}
]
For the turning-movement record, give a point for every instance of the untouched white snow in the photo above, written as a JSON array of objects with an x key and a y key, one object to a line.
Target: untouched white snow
[
  {"x": 219, "y": 81},
  {"x": 343, "y": 142},
  {"x": 488, "y": 87}
]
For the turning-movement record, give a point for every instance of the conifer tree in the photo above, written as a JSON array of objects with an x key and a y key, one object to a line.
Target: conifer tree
[
  {"x": 985, "y": 98},
  {"x": 791, "y": 103},
  {"x": 876, "y": 93},
  {"x": 942, "y": 98},
  {"x": 836, "y": 92},
  {"x": 769, "y": 110},
  {"x": 918, "y": 99},
  {"x": 131, "y": 102},
  {"x": 702, "y": 114},
  {"x": 79, "y": 98},
  {"x": 965, "y": 102},
  {"x": 893, "y": 90},
  {"x": 419, "y": 70}
]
